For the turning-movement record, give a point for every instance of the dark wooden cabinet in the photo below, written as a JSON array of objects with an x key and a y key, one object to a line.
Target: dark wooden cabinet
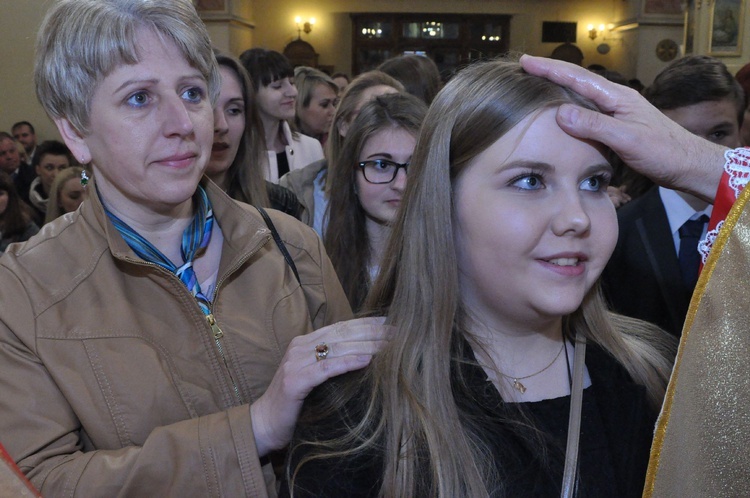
[{"x": 451, "y": 40}]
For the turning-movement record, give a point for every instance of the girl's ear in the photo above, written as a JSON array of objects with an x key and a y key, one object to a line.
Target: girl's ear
[
  {"x": 343, "y": 128},
  {"x": 74, "y": 140}
]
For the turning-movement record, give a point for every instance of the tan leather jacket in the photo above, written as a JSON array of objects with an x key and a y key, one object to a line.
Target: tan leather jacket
[{"x": 112, "y": 381}]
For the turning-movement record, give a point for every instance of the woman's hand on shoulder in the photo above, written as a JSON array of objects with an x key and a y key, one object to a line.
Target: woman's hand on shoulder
[{"x": 309, "y": 361}]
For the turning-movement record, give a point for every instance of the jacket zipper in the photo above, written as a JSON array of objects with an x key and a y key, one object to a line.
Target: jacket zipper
[
  {"x": 218, "y": 334},
  {"x": 211, "y": 320},
  {"x": 216, "y": 331}
]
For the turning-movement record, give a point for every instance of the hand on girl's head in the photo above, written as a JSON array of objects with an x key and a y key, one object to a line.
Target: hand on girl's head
[{"x": 641, "y": 135}]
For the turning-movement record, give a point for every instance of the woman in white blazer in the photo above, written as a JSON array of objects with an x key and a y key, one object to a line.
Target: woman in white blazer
[{"x": 273, "y": 79}]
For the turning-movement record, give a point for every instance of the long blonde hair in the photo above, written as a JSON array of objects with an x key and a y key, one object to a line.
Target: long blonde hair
[{"x": 410, "y": 406}]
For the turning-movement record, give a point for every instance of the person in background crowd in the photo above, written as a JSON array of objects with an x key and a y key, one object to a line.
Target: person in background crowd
[
  {"x": 316, "y": 102},
  {"x": 367, "y": 182},
  {"x": 16, "y": 223},
  {"x": 12, "y": 163},
  {"x": 418, "y": 73},
  {"x": 653, "y": 271},
  {"x": 636, "y": 85},
  {"x": 24, "y": 133},
  {"x": 25, "y": 136},
  {"x": 52, "y": 157},
  {"x": 10, "y": 158},
  {"x": 342, "y": 80},
  {"x": 310, "y": 183},
  {"x": 273, "y": 81},
  {"x": 66, "y": 193},
  {"x": 237, "y": 156}
]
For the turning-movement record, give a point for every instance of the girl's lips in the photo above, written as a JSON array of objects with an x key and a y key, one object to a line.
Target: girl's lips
[
  {"x": 570, "y": 265},
  {"x": 219, "y": 146}
]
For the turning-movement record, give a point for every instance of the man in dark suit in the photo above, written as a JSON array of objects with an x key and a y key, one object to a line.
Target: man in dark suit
[
  {"x": 653, "y": 269},
  {"x": 24, "y": 133}
]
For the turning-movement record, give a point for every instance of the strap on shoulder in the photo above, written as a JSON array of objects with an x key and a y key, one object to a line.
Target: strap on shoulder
[{"x": 279, "y": 242}]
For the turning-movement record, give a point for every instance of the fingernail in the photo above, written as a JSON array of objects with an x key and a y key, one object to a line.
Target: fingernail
[{"x": 568, "y": 114}]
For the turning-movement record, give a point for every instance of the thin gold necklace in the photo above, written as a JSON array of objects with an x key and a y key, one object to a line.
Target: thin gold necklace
[{"x": 518, "y": 386}]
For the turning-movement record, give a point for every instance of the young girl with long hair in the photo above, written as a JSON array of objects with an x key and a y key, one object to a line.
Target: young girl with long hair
[
  {"x": 237, "y": 158},
  {"x": 490, "y": 282},
  {"x": 272, "y": 77},
  {"x": 367, "y": 182},
  {"x": 16, "y": 224},
  {"x": 310, "y": 183}
]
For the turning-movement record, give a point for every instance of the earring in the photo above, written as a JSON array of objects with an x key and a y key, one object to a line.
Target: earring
[{"x": 84, "y": 178}]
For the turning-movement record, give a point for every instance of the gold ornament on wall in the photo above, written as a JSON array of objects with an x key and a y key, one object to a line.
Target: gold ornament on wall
[{"x": 666, "y": 50}]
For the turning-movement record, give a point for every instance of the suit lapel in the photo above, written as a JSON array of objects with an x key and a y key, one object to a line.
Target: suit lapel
[{"x": 656, "y": 237}]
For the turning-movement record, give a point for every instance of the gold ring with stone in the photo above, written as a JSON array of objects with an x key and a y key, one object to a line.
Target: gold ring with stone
[{"x": 321, "y": 351}]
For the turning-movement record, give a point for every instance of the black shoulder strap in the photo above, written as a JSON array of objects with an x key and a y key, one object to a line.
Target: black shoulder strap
[{"x": 279, "y": 242}]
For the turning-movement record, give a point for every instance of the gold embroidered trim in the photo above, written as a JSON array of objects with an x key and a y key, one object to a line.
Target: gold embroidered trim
[{"x": 661, "y": 425}]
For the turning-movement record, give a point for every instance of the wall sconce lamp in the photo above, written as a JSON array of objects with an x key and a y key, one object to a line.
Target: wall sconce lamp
[
  {"x": 593, "y": 33},
  {"x": 307, "y": 26}
]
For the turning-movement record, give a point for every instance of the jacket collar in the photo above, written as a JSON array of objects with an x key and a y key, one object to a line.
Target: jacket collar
[{"x": 242, "y": 228}]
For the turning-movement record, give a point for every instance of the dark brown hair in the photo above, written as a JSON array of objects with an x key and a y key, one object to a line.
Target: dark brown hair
[
  {"x": 346, "y": 240},
  {"x": 418, "y": 73},
  {"x": 692, "y": 80},
  {"x": 245, "y": 179},
  {"x": 17, "y": 215}
]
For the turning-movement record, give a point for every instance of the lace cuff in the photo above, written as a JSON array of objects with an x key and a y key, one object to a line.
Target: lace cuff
[{"x": 733, "y": 181}]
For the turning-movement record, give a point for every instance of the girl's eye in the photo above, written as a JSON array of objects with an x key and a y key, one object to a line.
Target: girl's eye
[
  {"x": 528, "y": 182},
  {"x": 595, "y": 183},
  {"x": 138, "y": 99},
  {"x": 193, "y": 94},
  {"x": 235, "y": 111}
]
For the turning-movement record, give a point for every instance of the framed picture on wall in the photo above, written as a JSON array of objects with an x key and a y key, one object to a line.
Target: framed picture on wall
[
  {"x": 727, "y": 20},
  {"x": 662, "y": 8},
  {"x": 662, "y": 12}
]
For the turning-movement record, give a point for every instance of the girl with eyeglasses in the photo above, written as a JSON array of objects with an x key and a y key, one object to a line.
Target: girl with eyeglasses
[
  {"x": 367, "y": 182},
  {"x": 309, "y": 183}
]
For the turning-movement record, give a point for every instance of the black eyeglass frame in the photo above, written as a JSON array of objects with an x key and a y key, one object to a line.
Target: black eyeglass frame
[{"x": 363, "y": 165}]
